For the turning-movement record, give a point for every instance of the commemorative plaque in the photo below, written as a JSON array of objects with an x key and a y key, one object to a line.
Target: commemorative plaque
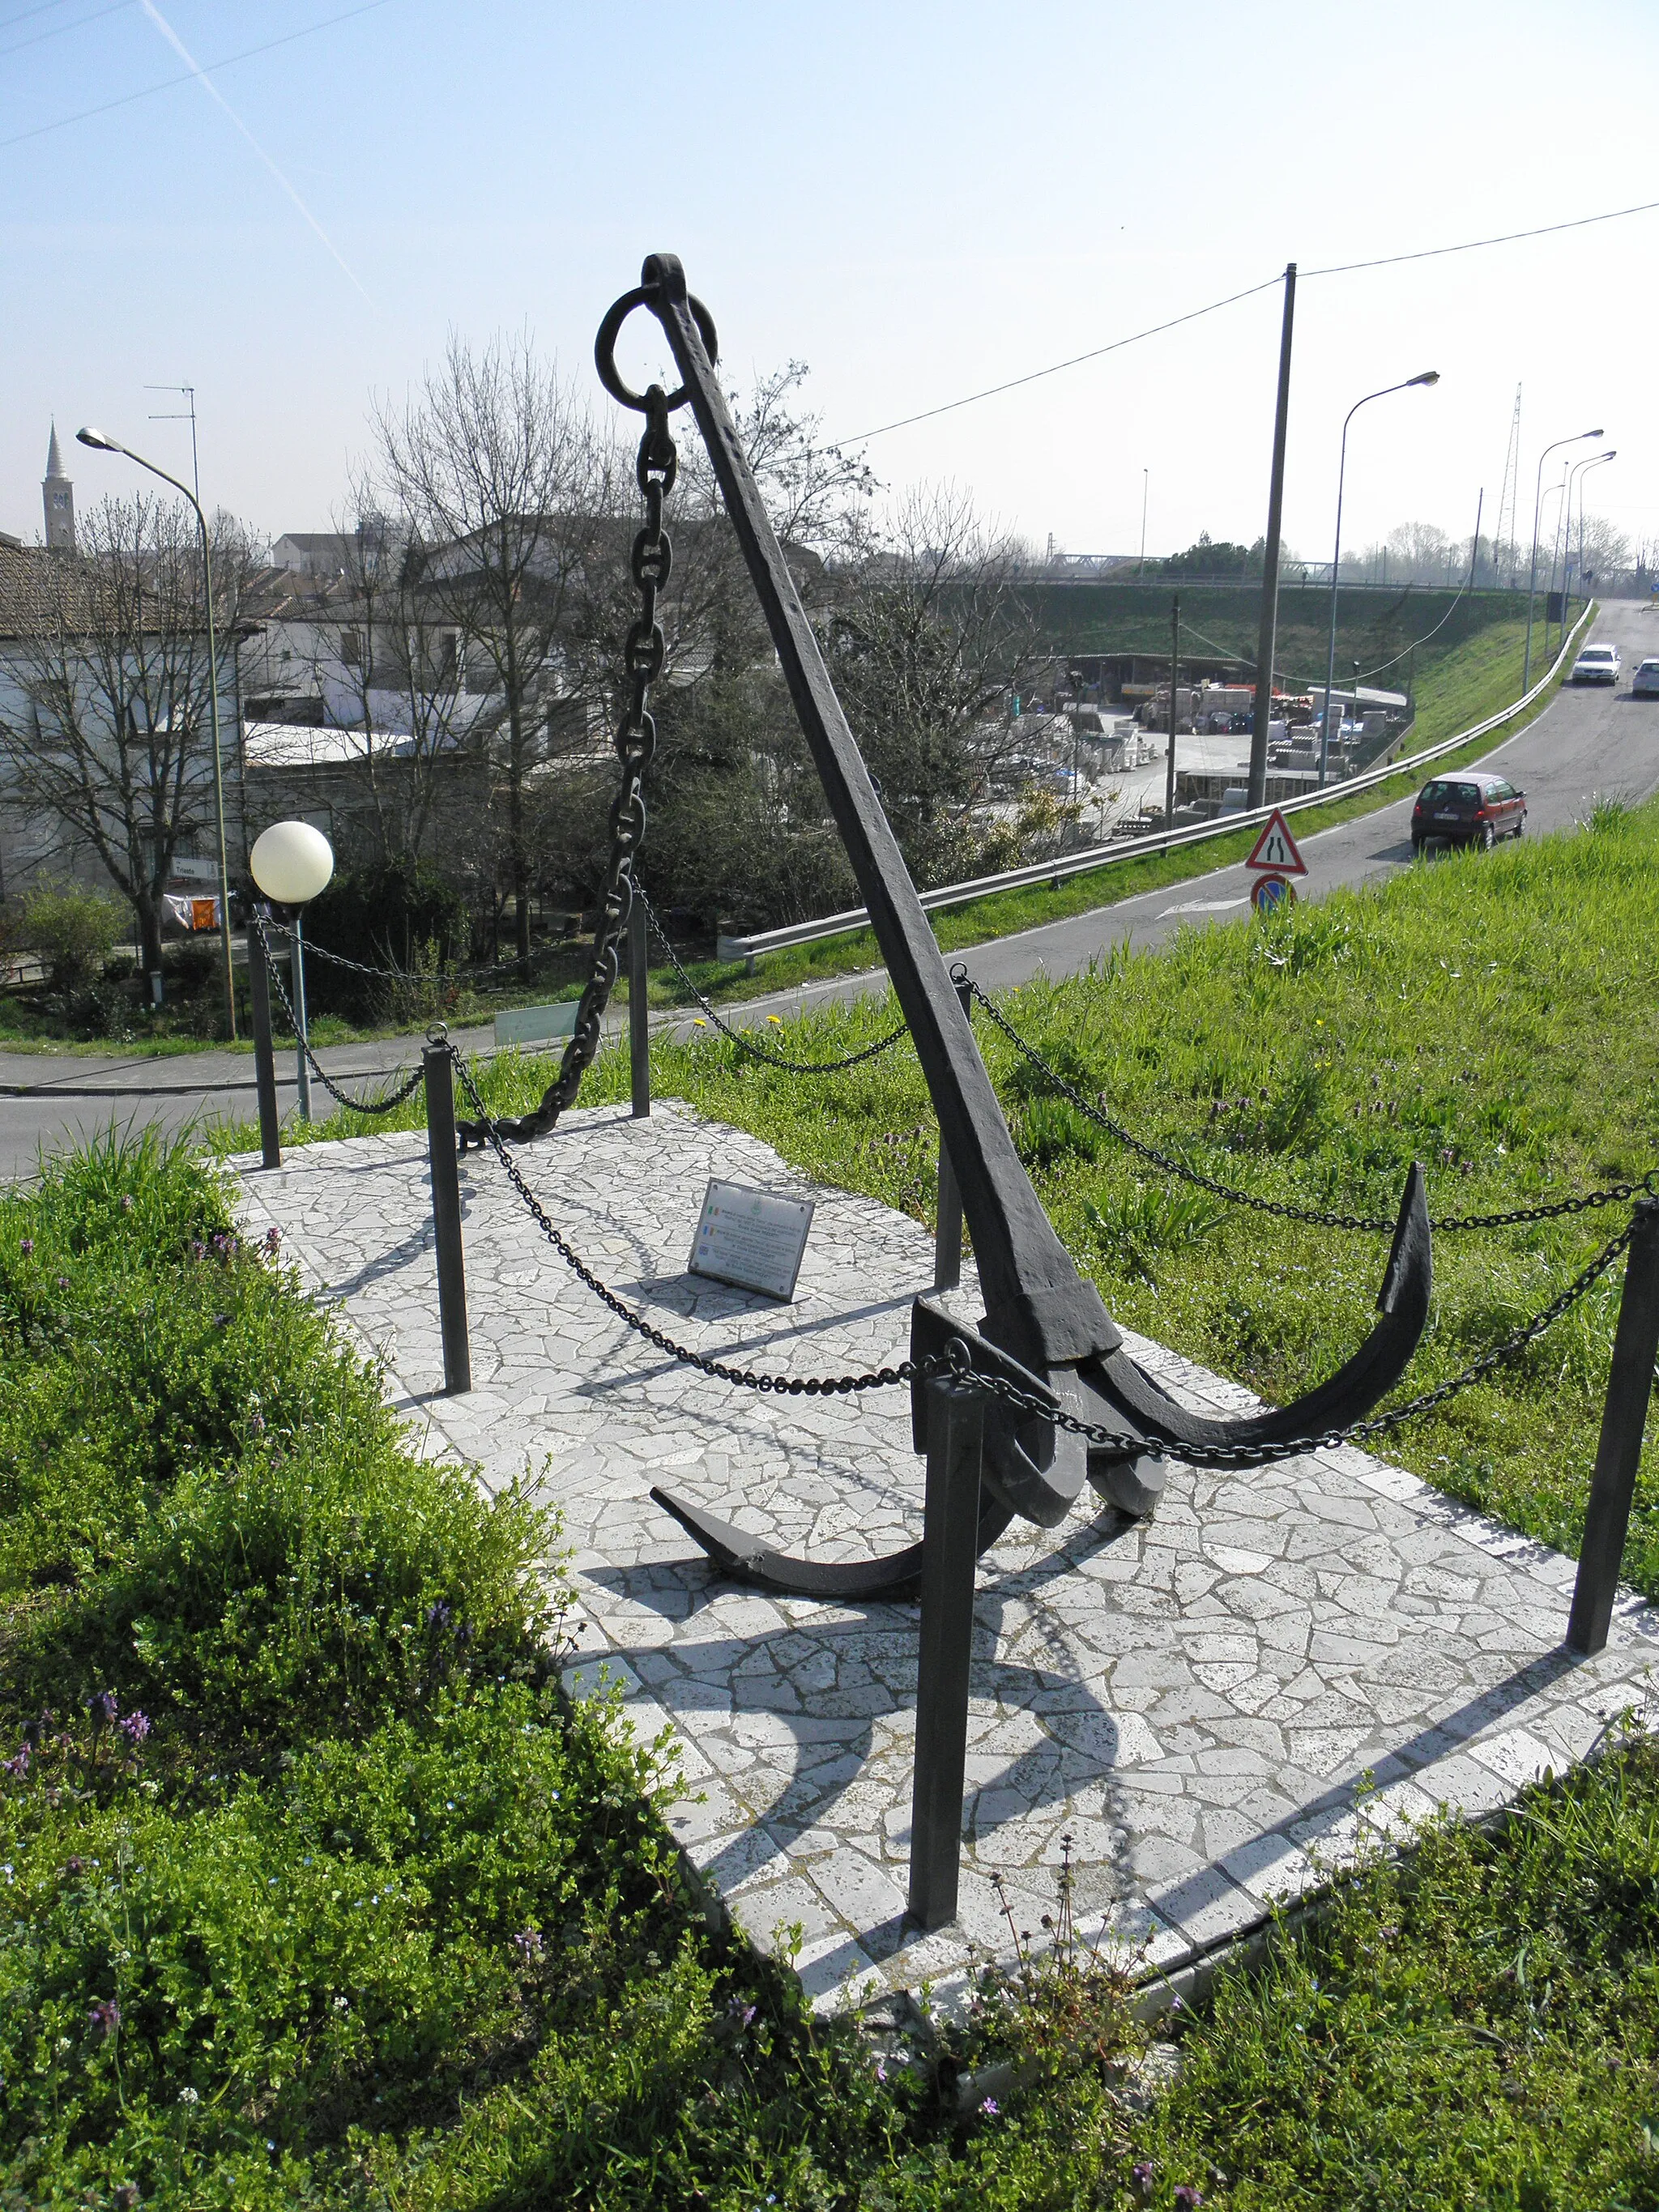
[{"x": 752, "y": 1239}]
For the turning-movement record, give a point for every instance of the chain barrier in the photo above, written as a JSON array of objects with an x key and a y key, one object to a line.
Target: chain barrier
[
  {"x": 408, "y": 977},
  {"x": 386, "y": 1105},
  {"x": 1618, "y": 1194},
  {"x": 793, "y": 1386},
  {"x": 746, "y": 1045},
  {"x": 953, "y": 1361},
  {"x": 651, "y": 564}
]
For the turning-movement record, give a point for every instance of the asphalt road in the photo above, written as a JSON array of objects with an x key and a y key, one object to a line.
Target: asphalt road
[{"x": 1587, "y": 744}]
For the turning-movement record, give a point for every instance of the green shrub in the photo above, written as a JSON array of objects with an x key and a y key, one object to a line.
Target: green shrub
[{"x": 74, "y": 931}]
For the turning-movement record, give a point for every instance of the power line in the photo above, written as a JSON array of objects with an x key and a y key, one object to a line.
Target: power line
[
  {"x": 1336, "y": 269},
  {"x": 59, "y": 30},
  {"x": 1475, "y": 245},
  {"x": 1077, "y": 358},
  {"x": 189, "y": 76}
]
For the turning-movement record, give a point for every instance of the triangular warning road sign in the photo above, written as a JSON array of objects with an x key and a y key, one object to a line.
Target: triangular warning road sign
[{"x": 1275, "y": 848}]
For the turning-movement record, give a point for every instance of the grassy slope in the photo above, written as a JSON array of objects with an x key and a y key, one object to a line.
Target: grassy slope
[{"x": 1496, "y": 1016}]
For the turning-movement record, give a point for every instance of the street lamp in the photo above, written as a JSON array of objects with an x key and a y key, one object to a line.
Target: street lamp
[
  {"x": 291, "y": 862},
  {"x": 1532, "y": 575},
  {"x": 1591, "y": 461},
  {"x": 1428, "y": 376},
  {"x": 1611, "y": 456},
  {"x": 101, "y": 443}
]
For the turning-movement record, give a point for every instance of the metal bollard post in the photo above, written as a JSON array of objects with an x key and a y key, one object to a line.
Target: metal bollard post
[
  {"x": 301, "y": 1034},
  {"x": 956, "y": 1438},
  {"x": 947, "y": 1235},
  {"x": 639, "y": 1029},
  {"x": 1630, "y": 1381},
  {"x": 264, "y": 1057},
  {"x": 440, "y": 1071}
]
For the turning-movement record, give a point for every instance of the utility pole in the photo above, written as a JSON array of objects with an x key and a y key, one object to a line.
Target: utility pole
[
  {"x": 1175, "y": 678},
  {"x": 1146, "y": 488},
  {"x": 1268, "y": 636}
]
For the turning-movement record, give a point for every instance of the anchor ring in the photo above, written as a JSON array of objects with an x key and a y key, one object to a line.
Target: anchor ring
[{"x": 604, "y": 347}]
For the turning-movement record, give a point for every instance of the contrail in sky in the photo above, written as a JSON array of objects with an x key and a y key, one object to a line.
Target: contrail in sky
[{"x": 206, "y": 82}]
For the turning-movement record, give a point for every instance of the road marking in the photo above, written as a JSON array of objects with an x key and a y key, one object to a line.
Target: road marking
[{"x": 1204, "y": 906}]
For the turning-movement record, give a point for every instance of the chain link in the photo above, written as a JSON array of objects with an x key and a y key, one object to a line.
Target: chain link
[
  {"x": 744, "y": 1044},
  {"x": 1618, "y": 1194},
  {"x": 651, "y": 564},
  {"x": 385, "y": 1105},
  {"x": 745, "y": 1378},
  {"x": 953, "y": 1360}
]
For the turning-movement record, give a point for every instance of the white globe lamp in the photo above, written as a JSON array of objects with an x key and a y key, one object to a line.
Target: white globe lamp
[{"x": 291, "y": 862}]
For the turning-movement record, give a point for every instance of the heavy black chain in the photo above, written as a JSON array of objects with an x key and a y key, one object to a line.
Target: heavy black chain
[
  {"x": 1240, "y": 1455},
  {"x": 651, "y": 564},
  {"x": 952, "y": 1361},
  {"x": 386, "y": 1105},
  {"x": 746, "y": 1044},
  {"x": 1618, "y": 1194}
]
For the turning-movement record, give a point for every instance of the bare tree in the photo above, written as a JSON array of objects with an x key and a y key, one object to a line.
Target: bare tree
[
  {"x": 509, "y": 492},
  {"x": 389, "y": 663},
  {"x": 105, "y": 722},
  {"x": 927, "y": 634}
]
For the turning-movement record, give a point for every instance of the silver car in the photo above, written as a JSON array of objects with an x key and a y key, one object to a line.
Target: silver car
[{"x": 1644, "y": 684}]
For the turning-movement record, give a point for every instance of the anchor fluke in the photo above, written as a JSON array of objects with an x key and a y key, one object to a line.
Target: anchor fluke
[
  {"x": 1127, "y": 1398},
  {"x": 748, "y": 1558}
]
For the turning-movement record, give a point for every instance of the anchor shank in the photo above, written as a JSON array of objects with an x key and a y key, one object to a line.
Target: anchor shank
[{"x": 1036, "y": 1301}]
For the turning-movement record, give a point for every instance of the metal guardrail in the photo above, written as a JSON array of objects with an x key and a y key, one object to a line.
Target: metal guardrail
[{"x": 750, "y": 948}]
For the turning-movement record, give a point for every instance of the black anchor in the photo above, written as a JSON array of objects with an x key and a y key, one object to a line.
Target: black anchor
[{"x": 1045, "y": 1329}]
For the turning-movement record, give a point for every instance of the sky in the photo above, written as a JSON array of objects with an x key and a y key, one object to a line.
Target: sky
[{"x": 916, "y": 200}]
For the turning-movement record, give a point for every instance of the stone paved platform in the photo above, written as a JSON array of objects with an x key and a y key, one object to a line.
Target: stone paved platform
[{"x": 1207, "y": 1704}]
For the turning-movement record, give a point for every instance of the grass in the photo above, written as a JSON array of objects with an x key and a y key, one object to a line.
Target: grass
[
  {"x": 1474, "y": 679},
  {"x": 1477, "y": 2026},
  {"x": 1495, "y": 1016}
]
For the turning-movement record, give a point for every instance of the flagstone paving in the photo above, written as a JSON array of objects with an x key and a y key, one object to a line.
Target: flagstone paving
[{"x": 1209, "y": 1705}]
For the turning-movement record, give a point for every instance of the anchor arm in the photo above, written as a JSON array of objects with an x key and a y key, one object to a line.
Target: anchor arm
[{"x": 1037, "y": 1305}]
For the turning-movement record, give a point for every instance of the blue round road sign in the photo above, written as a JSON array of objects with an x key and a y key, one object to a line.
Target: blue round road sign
[{"x": 1269, "y": 893}]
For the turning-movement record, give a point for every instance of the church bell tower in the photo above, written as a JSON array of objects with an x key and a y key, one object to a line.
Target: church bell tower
[{"x": 57, "y": 494}]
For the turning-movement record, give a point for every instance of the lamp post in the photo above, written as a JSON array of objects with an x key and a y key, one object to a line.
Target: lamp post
[
  {"x": 1590, "y": 461},
  {"x": 1428, "y": 376},
  {"x": 1532, "y": 574},
  {"x": 1611, "y": 456},
  {"x": 291, "y": 862},
  {"x": 101, "y": 443}
]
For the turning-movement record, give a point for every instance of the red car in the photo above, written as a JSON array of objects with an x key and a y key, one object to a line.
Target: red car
[{"x": 1472, "y": 809}]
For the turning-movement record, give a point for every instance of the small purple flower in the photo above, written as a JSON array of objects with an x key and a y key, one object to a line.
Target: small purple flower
[
  {"x": 64, "y": 1283},
  {"x": 18, "y": 1767},
  {"x": 136, "y": 1727},
  {"x": 222, "y": 1321},
  {"x": 437, "y": 1616},
  {"x": 197, "y": 1249},
  {"x": 103, "y": 1708},
  {"x": 126, "y": 1201},
  {"x": 25, "y": 1246},
  {"x": 1188, "y": 2198},
  {"x": 881, "y": 2069},
  {"x": 529, "y": 1945},
  {"x": 1142, "y": 2176},
  {"x": 74, "y": 1867},
  {"x": 273, "y": 1238},
  {"x": 257, "y": 1425},
  {"x": 989, "y": 2108},
  {"x": 105, "y": 2016}
]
